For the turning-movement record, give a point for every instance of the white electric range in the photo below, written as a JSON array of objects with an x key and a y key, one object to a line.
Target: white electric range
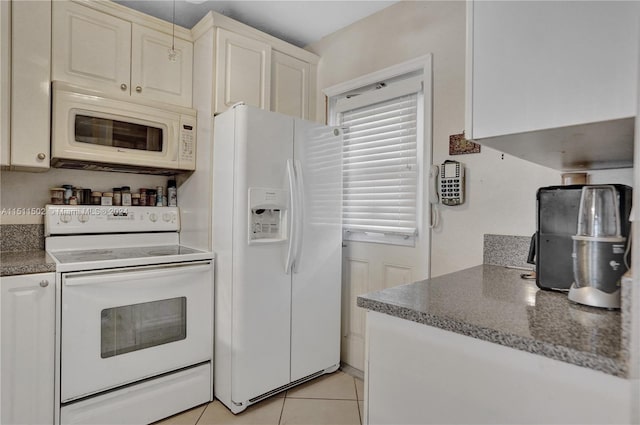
[{"x": 134, "y": 314}]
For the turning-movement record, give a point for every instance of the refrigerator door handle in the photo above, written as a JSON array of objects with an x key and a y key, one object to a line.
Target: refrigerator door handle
[
  {"x": 300, "y": 213},
  {"x": 292, "y": 217}
]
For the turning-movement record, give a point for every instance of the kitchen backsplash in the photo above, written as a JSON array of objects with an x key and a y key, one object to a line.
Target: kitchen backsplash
[
  {"x": 21, "y": 237},
  {"x": 506, "y": 250}
]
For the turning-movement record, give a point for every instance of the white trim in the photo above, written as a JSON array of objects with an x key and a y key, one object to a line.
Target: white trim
[
  {"x": 421, "y": 62},
  {"x": 398, "y": 89}
]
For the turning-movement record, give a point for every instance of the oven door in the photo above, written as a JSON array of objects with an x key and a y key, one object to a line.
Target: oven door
[{"x": 123, "y": 325}]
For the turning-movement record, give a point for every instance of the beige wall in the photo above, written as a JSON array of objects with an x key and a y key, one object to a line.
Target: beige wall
[
  {"x": 23, "y": 190},
  {"x": 501, "y": 190}
]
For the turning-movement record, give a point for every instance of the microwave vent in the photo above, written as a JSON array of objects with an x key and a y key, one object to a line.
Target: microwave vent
[{"x": 117, "y": 168}]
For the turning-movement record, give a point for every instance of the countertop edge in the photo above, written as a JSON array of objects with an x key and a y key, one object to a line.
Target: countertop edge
[
  {"x": 608, "y": 365},
  {"x": 31, "y": 262}
]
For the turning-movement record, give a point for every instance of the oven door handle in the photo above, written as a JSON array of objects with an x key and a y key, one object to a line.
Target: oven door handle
[{"x": 123, "y": 275}]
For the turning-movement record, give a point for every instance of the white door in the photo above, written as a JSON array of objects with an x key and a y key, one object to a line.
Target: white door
[
  {"x": 372, "y": 261},
  {"x": 153, "y": 75},
  {"x": 90, "y": 48},
  {"x": 243, "y": 71},
  {"x": 123, "y": 325},
  {"x": 28, "y": 348},
  {"x": 315, "y": 289},
  {"x": 289, "y": 85},
  {"x": 261, "y": 289}
]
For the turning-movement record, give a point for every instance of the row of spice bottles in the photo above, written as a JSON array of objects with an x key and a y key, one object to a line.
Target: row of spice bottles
[{"x": 120, "y": 196}]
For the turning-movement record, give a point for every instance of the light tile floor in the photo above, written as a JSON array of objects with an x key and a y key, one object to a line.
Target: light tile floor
[{"x": 334, "y": 399}]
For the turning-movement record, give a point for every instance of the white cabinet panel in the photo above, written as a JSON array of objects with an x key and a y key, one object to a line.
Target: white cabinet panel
[
  {"x": 90, "y": 48},
  {"x": 243, "y": 71},
  {"x": 30, "y": 84},
  {"x": 289, "y": 85},
  {"x": 28, "y": 348},
  {"x": 540, "y": 65},
  {"x": 153, "y": 75},
  {"x": 99, "y": 51},
  {"x": 418, "y": 374},
  {"x": 5, "y": 80}
]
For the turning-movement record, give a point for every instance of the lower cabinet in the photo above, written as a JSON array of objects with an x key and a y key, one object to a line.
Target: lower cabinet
[
  {"x": 418, "y": 374},
  {"x": 28, "y": 348}
]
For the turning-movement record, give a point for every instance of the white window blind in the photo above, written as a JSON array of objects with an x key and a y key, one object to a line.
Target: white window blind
[{"x": 380, "y": 164}]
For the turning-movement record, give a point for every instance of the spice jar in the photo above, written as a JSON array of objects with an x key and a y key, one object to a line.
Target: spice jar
[
  {"x": 135, "y": 199},
  {"x": 160, "y": 196},
  {"x": 68, "y": 192},
  {"x": 57, "y": 195},
  {"x": 151, "y": 197},
  {"x": 172, "y": 194},
  {"x": 126, "y": 196},
  {"x": 96, "y": 198},
  {"x": 143, "y": 197},
  {"x": 117, "y": 196},
  {"x": 107, "y": 198}
]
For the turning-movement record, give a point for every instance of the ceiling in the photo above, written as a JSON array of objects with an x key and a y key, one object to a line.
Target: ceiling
[{"x": 298, "y": 22}]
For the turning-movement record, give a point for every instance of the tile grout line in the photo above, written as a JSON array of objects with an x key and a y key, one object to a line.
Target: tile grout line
[
  {"x": 203, "y": 410},
  {"x": 355, "y": 387},
  {"x": 284, "y": 400}
]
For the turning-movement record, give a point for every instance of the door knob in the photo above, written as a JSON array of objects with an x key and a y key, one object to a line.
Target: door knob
[
  {"x": 138, "y": 89},
  {"x": 44, "y": 283},
  {"x": 41, "y": 156},
  {"x": 123, "y": 86}
]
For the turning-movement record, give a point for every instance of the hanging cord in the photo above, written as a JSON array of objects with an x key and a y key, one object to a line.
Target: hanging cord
[{"x": 172, "y": 52}]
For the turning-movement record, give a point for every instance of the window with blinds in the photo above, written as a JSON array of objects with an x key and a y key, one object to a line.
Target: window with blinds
[{"x": 380, "y": 160}]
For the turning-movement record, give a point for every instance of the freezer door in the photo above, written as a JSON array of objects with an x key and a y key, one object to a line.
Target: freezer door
[
  {"x": 261, "y": 293},
  {"x": 316, "y": 283}
]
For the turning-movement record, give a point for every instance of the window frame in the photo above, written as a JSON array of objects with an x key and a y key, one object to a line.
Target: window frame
[{"x": 333, "y": 94}]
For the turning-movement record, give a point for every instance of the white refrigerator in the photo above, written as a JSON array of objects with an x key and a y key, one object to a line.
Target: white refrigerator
[{"x": 277, "y": 200}]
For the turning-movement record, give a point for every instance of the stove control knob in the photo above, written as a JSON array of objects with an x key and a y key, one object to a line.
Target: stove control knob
[
  {"x": 65, "y": 218},
  {"x": 166, "y": 217},
  {"x": 153, "y": 217},
  {"x": 83, "y": 218}
]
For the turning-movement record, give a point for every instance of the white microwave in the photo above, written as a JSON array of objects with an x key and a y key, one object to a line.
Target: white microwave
[{"x": 93, "y": 131}]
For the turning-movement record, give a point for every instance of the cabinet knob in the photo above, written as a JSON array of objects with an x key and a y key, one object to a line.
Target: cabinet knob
[
  {"x": 138, "y": 89},
  {"x": 123, "y": 86},
  {"x": 41, "y": 156},
  {"x": 44, "y": 283}
]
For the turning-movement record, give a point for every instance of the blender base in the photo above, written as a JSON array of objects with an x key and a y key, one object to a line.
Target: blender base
[{"x": 594, "y": 297}]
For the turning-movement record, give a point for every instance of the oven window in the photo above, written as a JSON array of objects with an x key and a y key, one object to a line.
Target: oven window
[
  {"x": 118, "y": 134},
  {"x": 138, "y": 326}
]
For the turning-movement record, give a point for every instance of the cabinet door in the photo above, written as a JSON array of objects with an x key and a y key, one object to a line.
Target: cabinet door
[
  {"x": 5, "y": 79},
  {"x": 243, "y": 71},
  {"x": 30, "y": 82},
  {"x": 153, "y": 74},
  {"x": 90, "y": 48},
  {"x": 289, "y": 85},
  {"x": 541, "y": 65},
  {"x": 28, "y": 348}
]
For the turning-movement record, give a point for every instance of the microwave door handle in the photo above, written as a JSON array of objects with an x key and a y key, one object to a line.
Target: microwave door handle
[{"x": 115, "y": 277}]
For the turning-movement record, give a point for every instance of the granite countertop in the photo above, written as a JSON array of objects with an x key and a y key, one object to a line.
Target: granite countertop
[
  {"x": 25, "y": 262},
  {"x": 494, "y": 304}
]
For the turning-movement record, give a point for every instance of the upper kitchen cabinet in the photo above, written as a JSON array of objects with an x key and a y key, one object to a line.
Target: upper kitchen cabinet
[
  {"x": 117, "y": 55},
  {"x": 290, "y": 85},
  {"x": 5, "y": 81},
  {"x": 252, "y": 67},
  {"x": 243, "y": 71},
  {"x": 30, "y": 77},
  {"x": 156, "y": 76},
  {"x": 554, "y": 82}
]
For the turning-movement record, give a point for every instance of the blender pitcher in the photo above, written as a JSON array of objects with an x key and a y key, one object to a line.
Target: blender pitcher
[{"x": 598, "y": 249}]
